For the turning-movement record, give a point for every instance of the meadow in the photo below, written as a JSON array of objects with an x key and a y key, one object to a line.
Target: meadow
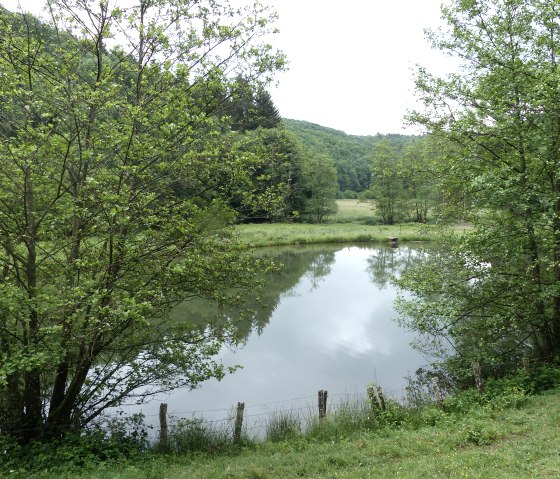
[{"x": 355, "y": 221}]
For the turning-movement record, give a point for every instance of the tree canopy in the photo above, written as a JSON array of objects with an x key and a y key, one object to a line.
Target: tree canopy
[
  {"x": 351, "y": 154},
  {"x": 113, "y": 181},
  {"x": 495, "y": 293}
]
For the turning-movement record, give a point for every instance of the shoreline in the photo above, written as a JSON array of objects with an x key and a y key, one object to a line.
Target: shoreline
[{"x": 285, "y": 234}]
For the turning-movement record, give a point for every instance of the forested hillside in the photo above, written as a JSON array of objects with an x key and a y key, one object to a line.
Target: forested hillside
[{"x": 351, "y": 153}]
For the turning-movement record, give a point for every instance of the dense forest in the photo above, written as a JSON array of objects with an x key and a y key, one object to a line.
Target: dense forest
[{"x": 351, "y": 153}]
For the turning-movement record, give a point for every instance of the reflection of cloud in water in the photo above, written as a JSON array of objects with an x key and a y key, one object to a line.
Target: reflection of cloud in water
[
  {"x": 346, "y": 315},
  {"x": 337, "y": 335}
]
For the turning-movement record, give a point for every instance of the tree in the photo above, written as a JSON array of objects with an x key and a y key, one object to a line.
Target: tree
[
  {"x": 421, "y": 177},
  {"x": 104, "y": 112},
  {"x": 495, "y": 293},
  {"x": 250, "y": 107},
  {"x": 319, "y": 180},
  {"x": 272, "y": 186},
  {"x": 387, "y": 181}
]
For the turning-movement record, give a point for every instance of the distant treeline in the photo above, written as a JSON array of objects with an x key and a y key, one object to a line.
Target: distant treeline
[{"x": 351, "y": 154}]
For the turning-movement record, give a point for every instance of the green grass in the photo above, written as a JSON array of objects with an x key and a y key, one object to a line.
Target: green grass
[
  {"x": 486, "y": 443},
  {"x": 277, "y": 234},
  {"x": 354, "y": 211},
  {"x": 354, "y": 222}
]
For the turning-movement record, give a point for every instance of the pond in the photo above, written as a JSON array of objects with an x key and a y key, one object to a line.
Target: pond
[{"x": 327, "y": 324}]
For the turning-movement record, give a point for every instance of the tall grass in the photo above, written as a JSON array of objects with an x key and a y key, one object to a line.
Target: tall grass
[
  {"x": 355, "y": 221},
  {"x": 283, "y": 426},
  {"x": 278, "y": 234},
  {"x": 354, "y": 211},
  {"x": 195, "y": 435}
]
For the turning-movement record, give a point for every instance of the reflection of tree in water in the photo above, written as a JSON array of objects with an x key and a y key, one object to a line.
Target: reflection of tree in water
[
  {"x": 237, "y": 323},
  {"x": 387, "y": 263},
  {"x": 320, "y": 268}
]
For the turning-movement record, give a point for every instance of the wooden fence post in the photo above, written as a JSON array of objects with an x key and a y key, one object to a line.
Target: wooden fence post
[
  {"x": 479, "y": 380},
  {"x": 238, "y": 422},
  {"x": 322, "y": 403},
  {"x": 381, "y": 398},
  {"x": 437, "y": 392},
  {"x": 375, "y": 393},
  {"x": 163, "y": 432},
  {"x": 526, "y": 363}
]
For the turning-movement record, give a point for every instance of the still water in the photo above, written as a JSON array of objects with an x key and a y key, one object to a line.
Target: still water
[{"x": 328, "y": 325}]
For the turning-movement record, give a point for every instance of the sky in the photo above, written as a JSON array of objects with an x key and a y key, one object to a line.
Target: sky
[{"x": 351, "y": 62}]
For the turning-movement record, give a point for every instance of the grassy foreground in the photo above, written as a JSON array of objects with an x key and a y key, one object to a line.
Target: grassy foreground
[{"x": 486, "y": 443}]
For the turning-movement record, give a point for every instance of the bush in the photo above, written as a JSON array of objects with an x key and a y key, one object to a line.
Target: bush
[
  {"x": 476, "y": 433},
  {"x": 120, "y": 439},
  {"x": 347, "y": 195},
  {"x": 532, "y": 381},
  {"x": 506, "y": 392}
]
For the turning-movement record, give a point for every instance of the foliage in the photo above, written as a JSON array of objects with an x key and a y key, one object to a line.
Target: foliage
[
  {"x": 120, "y": 440},
  {"x": 271, "y": 185},
  {"x": 249, "y": 107},
  {"x": 350, "y": 153},
  {"x": 386, "y": 183},
  {"x": 495, "y": 294},
  {"x": 319, "y": 187},
  {"x": 405, "y": 179},
  {"x": 113, "y": 161}
]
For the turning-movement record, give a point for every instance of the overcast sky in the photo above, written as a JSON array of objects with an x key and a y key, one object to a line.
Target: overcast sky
[{"x": 350, "y": 62}]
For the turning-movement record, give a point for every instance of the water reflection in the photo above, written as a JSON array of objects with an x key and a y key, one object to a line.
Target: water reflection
[{"x": 326, "y": 322}]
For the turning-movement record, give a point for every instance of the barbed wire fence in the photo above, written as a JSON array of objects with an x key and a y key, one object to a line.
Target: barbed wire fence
[{"x": 253, "y": 420}]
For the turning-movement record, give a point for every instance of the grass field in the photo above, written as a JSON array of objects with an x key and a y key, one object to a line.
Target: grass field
[
  {"x": 353, "y": 211},
  {"x": 485, "y": 444},
  {"x": 276, "y": 234},
  {"x": 354, "y": 222}
]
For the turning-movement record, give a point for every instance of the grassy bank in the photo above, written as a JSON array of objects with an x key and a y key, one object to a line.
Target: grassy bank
[
  {"x": 278, "y": 234},
  {"x": 355, "y": 222},
  {"x": 488, "y": 442}
]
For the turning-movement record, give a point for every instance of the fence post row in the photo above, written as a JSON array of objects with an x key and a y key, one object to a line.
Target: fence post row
[
  {"x": 322, "y": 403},
  {"x": 375, "y": 393},
  {"x": 437, "y": 392}
]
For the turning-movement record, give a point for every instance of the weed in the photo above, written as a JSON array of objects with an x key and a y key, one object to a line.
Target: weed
[
  {"x": 197, "y": 435},
  {"x": 283, "y": 426}
]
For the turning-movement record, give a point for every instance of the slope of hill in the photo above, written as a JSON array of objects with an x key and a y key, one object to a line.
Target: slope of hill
[{"x": 351, "y": 153}]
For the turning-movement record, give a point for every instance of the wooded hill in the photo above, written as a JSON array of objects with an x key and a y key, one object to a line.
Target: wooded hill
[{"x": 352, "y": 154}]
